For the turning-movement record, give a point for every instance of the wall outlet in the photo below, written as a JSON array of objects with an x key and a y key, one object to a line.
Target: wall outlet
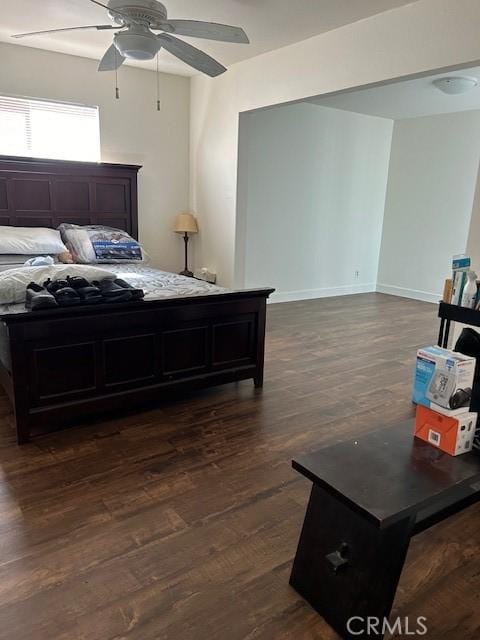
[{"x": 357, "y": 274}]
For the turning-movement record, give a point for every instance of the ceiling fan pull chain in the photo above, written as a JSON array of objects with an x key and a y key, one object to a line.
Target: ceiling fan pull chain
[
  {"x": 159, "y": 107},
  {"x": 117, "y": 90}
]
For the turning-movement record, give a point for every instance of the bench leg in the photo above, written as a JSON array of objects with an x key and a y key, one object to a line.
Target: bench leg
[{"x": 346, "y": 567}]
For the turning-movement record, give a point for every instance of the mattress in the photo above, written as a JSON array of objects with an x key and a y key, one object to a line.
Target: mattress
[
  {"x": 162, "y": 284},
  {"x": 156, "y": 284}
]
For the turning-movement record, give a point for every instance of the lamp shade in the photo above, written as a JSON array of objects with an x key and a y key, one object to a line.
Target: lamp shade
[{"x": 185, "y": 223}]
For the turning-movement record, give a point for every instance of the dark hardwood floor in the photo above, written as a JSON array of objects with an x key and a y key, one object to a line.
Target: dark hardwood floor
[{"x": 181, "y": 522}]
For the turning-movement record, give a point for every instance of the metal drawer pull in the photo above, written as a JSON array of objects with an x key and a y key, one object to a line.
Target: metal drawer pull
[{"x": 338, "y": 559}]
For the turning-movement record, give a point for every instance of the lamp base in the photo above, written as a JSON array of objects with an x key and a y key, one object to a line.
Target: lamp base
[{"x": 186, "y": 273}]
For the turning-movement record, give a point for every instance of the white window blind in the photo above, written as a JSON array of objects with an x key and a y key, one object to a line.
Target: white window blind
[{"x": 42, "y": 129}]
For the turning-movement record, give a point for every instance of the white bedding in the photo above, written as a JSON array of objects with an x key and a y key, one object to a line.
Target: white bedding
[
  {"x": 163, "y": 284},
  {"x": 156, "y": 284},
  {"x": 13, "y": 282}
]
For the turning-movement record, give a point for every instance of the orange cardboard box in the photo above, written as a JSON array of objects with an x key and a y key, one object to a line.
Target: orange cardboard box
[{"x": 452, "y": 434}]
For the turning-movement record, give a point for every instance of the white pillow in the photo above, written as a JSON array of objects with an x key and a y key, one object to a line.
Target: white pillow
[
  {"x": 30, "y": 240},
  {"x": 13, "y": 283}
]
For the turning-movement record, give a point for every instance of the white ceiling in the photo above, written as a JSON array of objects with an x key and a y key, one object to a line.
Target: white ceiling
[
  {"x": 270, "y": 24},
  {"x": 408, "y": 99}
]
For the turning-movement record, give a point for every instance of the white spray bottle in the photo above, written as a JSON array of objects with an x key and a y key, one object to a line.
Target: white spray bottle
[{"x": 469, "y": 296}]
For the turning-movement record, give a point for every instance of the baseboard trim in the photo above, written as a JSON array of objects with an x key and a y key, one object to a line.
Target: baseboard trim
[
  {"x": 327, "y": 292},
  {"x": 424, "y": 296}
]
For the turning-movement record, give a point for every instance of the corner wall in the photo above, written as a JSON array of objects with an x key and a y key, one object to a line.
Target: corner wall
[
  {"x": 473, "y": 250},
  {"x": 431, "y": 186},
  {"x": 473, "y": 243},
  {"x": 420, "y": 37},
  {"x": 312, "y": 184}
]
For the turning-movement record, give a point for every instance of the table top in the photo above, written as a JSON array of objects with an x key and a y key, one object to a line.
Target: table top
[
  {"x": 388, "y": 474},
  {"x": 459, "y": 314}
]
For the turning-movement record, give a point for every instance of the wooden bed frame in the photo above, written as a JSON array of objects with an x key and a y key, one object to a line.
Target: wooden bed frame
[{"x": 66, "y": 363}]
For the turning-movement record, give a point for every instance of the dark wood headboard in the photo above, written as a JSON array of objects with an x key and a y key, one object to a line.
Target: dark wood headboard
[{"x": 45, "y": 193}]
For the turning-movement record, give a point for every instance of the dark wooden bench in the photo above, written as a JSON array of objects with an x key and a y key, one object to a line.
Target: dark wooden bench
[{"x": 369, "y": 497}]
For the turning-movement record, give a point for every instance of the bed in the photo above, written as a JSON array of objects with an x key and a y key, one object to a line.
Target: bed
[{"x": 61, "y": 364}]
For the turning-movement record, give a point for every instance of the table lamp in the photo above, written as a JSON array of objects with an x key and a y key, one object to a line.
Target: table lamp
[{"x": 186, "y": 223}]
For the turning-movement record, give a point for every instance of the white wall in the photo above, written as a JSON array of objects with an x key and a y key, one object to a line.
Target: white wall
[
  {"x": 312, "y": 183},
  {"x": 431, "y": 186},
  {"x": 132, "y": 130},
  {"x": 473, "y": 243},
  {"x": 473, "y": 250},
  {"x": 421, "y": 37}
]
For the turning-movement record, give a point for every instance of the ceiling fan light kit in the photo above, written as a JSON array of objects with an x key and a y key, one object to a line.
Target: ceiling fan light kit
[
  {"x": 138, "y": 43},
  {"x": 135, "y": 22}
]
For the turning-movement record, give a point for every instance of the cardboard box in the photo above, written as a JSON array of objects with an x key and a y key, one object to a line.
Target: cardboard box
[
  {"x": 454, "y": 435},
  {"x": 443, "y": 380},
  {"x": 448, "y": 291}
]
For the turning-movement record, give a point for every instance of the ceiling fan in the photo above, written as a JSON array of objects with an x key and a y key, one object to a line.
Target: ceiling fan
[{"x": 135, "y": 22}]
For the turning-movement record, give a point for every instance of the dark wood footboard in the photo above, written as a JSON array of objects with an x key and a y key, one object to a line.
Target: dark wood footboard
[{"x": 67, "y": 364}]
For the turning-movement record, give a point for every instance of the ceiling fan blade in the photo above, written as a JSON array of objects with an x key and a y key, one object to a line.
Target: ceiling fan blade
[
  {"x": 99, "y": 27},
  {"x": 208, "y": 30},
  {"x": 191, "y": 55},
  {"x": 111, "y": 60}
]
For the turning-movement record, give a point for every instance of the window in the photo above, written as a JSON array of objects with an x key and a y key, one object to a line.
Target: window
[{"x": 42, "y": 129}]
